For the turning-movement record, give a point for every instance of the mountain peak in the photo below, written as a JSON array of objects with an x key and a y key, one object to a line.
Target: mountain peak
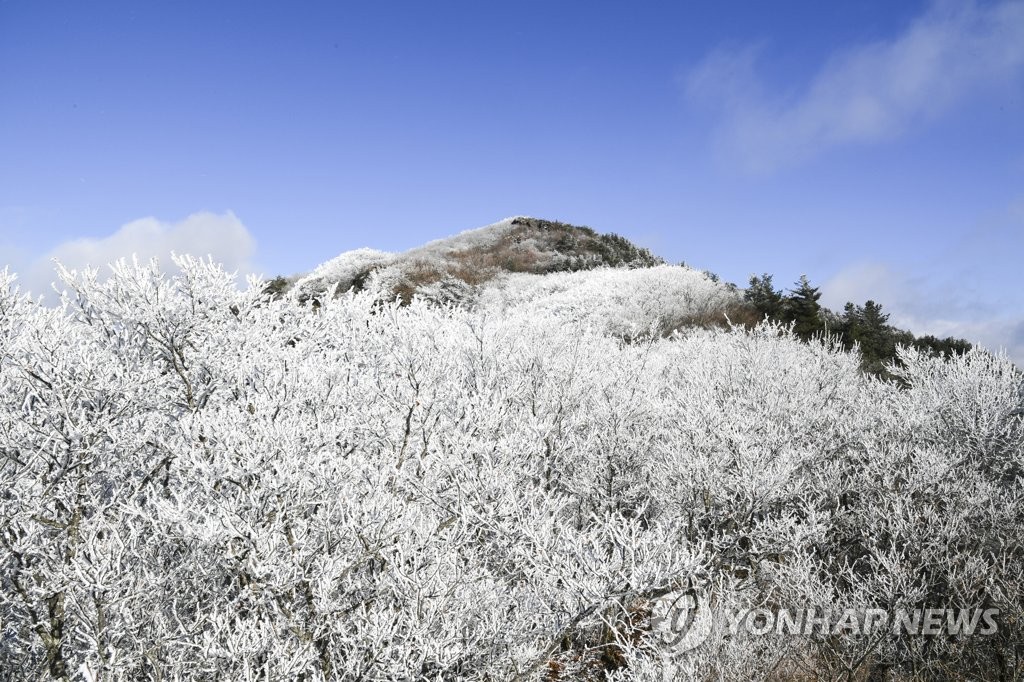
[{"x": 520, "y": 244}]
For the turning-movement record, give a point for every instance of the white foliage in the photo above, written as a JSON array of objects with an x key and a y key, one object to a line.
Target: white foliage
[
  {"x": 479, "y": 238},
  {"x": 612, "y": 299},
  {"x": 390, "y": 269},
  {"x": 340, "y": 271},
  {"x": 203, "y": 483}
]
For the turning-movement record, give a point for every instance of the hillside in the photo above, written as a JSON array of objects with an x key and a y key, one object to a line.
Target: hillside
[
  {"x": 204, "y": 482},
  {"x": 526, "y": 261},
  {"x": 449, "y": 268}
]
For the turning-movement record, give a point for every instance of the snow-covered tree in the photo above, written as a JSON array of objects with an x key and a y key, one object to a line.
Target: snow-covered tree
[{"x": 200, "y": 482}]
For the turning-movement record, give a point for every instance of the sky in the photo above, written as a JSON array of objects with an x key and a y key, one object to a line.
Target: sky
[{"x": 877, "y": 147}]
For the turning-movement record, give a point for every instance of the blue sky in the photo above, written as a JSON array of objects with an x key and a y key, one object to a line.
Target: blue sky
[{"x": 875, "y": 146}]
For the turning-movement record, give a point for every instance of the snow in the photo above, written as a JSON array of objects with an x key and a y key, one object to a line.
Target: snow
[
  {"x": 199, "y": 482},
  {"x": 615, "y": 300},
  {"x": 341, "y": 270}
]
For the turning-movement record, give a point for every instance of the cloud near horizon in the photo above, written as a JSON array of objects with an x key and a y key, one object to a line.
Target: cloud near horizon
[
  {"x": 925, "y": 306},
  {"x": 863, "y": 94},
  {"x": 220, "y": 236}
]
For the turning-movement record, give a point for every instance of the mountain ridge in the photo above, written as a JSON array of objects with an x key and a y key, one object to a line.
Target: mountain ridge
[
  {"x": 518, "y": 244},
  {"x": 499, "y": 264}
]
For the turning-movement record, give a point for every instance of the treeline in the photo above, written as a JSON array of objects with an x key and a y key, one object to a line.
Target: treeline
[{"x": 864, "y": 326}]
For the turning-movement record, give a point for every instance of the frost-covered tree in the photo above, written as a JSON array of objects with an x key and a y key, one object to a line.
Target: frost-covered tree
[{"x": 204, "y": 483}]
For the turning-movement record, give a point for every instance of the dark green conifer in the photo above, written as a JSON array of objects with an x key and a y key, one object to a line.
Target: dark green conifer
[
  {"x": 803, "y": 310},
  {"x": 763, "y": 296}
]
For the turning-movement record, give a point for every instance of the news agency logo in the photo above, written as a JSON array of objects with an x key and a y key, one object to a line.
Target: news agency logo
[{"x": 681, "y": 621}]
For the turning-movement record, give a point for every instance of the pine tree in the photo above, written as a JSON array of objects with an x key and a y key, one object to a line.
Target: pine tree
[
  {"x": 802, "y": 308},
  {"x": 947, "y": 347},
  {"x": 876, "y": 338},
  {"x": 763, "y": 296}
]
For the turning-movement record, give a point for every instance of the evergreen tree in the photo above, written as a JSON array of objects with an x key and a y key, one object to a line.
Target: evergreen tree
[
  {"x": 763, "y": 296},
  {"x": 946, "y": 347},
  {"x": 850, "y": 324},
  {"x": 802, "y": 308},
  {"x": 277, "y": 286},
  {"x": 865, "y": 326},
  {"x": 868, "y": 326}
]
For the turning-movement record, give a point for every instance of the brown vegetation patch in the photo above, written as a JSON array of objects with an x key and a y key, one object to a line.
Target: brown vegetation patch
[{"x": 736, "y": 314}]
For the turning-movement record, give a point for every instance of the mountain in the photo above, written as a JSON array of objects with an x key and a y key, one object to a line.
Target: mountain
[
  {"x": 624, "y": 288},
  {"x": 536, "y": 264},
  {"x": 514, "y": 245},
  {"x": 562, "y": 475}
]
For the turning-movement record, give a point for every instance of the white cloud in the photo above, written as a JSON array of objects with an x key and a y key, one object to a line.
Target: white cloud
[
  {"x": 928, "y": 306},
  {"x": 222, "y": 236},
  {"x": 867, "y": 93}
]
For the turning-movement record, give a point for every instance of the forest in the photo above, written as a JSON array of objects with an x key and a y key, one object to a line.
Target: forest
[{"x": 206, "y": 481}]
